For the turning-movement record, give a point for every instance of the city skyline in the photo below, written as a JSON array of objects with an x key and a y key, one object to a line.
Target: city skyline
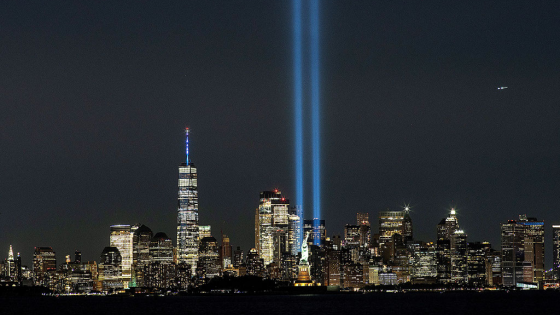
[{"x": 411, "y": 114}]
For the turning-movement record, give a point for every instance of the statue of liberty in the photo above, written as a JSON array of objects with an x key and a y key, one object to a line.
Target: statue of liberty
[
  {"x": 304, "y": 278},
  {"x": 304, "y": 251}
]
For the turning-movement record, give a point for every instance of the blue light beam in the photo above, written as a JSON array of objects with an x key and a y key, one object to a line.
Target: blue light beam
[
  {"x": 315, "y": 114},
  {"x": 298, "y": 110}
]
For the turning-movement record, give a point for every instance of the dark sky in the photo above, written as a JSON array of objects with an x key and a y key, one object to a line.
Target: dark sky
[{"x": 94, "y": 98}]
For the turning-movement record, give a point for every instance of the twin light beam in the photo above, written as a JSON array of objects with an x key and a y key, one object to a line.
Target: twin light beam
[{"x": 314, "y": 99}]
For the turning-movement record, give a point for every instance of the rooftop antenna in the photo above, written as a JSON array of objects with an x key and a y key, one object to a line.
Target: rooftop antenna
[{"x": 187, "y": 144}]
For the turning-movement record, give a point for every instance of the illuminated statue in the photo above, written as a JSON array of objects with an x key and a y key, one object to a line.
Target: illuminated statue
[{"x": 304, "y": 251}]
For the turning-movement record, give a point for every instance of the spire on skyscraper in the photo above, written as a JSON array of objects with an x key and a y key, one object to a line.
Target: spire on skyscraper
[
  {"x": 11, "y": 253},
  {"x": 187, "y": 145}
]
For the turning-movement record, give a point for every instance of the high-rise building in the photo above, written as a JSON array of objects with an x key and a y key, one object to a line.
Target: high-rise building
[
  {"x": 556, "y": 251},
  {"x": 272, "y": 229},
  {"x": 317, "y": 230},
  {"x": 161, "y": 249},
  {"x": 110, "y": 270},
  {"x": 204, "y": 231},
  {"x": 295, "y": 230},
  {"x": 226, "y": 252},
  {"x": 351, "y": 235},
  {"x": 78, "y": 257},
  {"x": 477, "y": 262},
  {"x": 141, "y": 239},
  {"x": 121, "y": 238},
  {"x": 459, "y": 267},
  {"x": 395, "y": 222},
  {"x": 365, "y": 228},
  {"x": 395, "y": 229},
  {"x": 445, "y": 245},
  {"x": 424, "y": 263},
  {"x": 160, "y": 272},
  {"x": 522, "y": 251},
  {"x": 44, "y": 262},
  {"x": 237, "y": 257},
  {"x": 10, "y": 266},
  {"x": 208, "y": 259},
  {"x": 187, "y": 212}
]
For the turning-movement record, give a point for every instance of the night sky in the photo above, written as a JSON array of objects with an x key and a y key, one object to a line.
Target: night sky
[{"x": 94, "y": 99}]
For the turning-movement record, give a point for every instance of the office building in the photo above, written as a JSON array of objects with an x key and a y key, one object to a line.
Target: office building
[
  {"x": 317, "y": 230},
  {"x": 477, "y": 257},
  {"x": 365, "y": 228},
  {"x": 226, "y": 257},
  {"x": 459, "y": 267},
  {"x": 272, "y": 226},
  {"x": 141, "y": 238},
  {"x": 445, "y": 245},
  {"x": 209, "y": 265},
  {"x": 44, "y": 263},
  {"x": 121, "y": 238},
  {"x": 110, "y": 270},
  {"x": 556, "y": 251},
  {"x": 187, "y": 212},
  {"x": 204, "y": 231},
  {"x": 522, "y": 251}
]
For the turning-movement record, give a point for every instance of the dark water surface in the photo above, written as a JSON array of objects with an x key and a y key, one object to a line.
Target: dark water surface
[{"x": 378, "y": 303}]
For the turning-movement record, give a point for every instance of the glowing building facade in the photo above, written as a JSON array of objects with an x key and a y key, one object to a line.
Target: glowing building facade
[
  {"x": 187, "y": 212},
  {"x": 44, "y": 263},
  {"x": 122, "y": 238},
  {"x": 556, "y": 251},
  {"x": 445, "y": 245},
  {"x": 272, "y": 222},
  {"x": 522, "y": 251}
]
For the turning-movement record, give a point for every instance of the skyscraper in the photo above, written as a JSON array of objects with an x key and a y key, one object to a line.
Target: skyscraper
[
  {"x": 556, "y": 251},
  {"x": 395, "y": 222},
  {"x": 459, "y": 267},
  {"x": 209, "y": 258},
  {"x": 393, "y": 226},
  {"x": 272, "y": 226},
  {"x": 445, "y": 245},
  {"x": 226, "y": 258},
  {"x": 140, "y": 253},
  {"x": 365, "y": 229},
  {"x": 44, "y": 262},
  {"x": 187, "y": 212},
  {"x": 121, "y": 238},
  {"x": 522, "y": 251}
]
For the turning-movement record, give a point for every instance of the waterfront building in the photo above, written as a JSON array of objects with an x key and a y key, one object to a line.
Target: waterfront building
[
  {"x": 141, "y": 238},
  {"x": 254, "y": 264},
  {"x": 272, "y": 226},
  {"x": 226, "y": 257},
  {"x": 493, "y": 268},
  {"x": 44, "y": 264},
  {"x": 187, "y": 212},
  {"x": 209, "y": 265},
  {"x": 121, "y": 238},
  {"x": 476, "y": 261},
  {"x": 295, "y": 230},
  {"x": 459, "y": 267},
  {"x": 445, "y": 246},
  {"x": 556, "y": 252},
  {"x": 522, "y": 251},
  {"x": 238, "y": 258},
  {"x": 110, "y": 270},
  {"x": 424, "y": 263}
]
